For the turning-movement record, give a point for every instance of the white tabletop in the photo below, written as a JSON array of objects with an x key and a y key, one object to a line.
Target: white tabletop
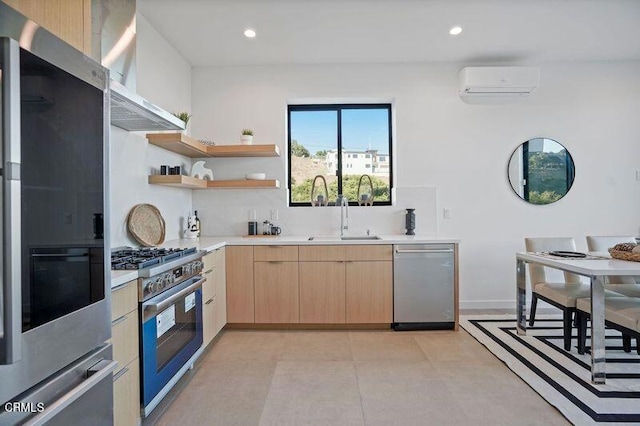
[{"x": 588, "y": 267}]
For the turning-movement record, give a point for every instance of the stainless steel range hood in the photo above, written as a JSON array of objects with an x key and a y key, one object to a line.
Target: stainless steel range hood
[
  {"x": 130, "y": 111},
  {"x": 113, "y": 25}
]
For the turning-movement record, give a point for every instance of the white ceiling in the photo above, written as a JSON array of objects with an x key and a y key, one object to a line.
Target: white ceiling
[{"x": 210, "y": 32}]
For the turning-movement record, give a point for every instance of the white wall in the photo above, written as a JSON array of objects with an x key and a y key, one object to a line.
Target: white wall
[
  {"x": 164, "y": 78},
  {"x": 460, "y": 149}
]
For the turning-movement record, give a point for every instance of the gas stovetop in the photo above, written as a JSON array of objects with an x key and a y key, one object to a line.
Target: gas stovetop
[{"x": 142, "y": 258}]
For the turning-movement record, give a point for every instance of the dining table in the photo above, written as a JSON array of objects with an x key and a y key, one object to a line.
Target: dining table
[{"x": 596, "y": 267}]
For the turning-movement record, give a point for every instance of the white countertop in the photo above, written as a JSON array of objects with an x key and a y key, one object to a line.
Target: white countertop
[
  {"x": 121, "y": 277},
  {"x": 214, "y": 242}
]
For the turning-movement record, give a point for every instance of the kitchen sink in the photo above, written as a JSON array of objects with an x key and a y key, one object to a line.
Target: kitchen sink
[
  {"x": 361, "y": 237},
  {"x": 346, "y": 238}
]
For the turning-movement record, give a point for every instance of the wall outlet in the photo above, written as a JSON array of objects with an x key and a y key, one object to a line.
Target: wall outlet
[
  {"x": 637, "y": 174},
  {"x": 446, "y": 213},
  {"x": 274, "y": 214}
]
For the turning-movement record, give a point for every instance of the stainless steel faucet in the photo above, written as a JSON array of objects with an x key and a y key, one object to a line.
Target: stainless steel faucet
[{"x": 344, "y": 214}]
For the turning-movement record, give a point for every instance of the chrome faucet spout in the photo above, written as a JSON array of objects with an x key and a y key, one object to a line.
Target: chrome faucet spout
[{"x": 344, "y": 214}]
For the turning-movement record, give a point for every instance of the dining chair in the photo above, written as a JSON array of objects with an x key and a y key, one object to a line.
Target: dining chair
[
  {"x": 560, "y": 289},
  {"x": 621, "y": 313},
  {"x": 626, "y": 285}
]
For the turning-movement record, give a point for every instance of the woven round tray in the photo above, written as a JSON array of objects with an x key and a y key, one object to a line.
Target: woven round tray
[
  {"x": 146, "y": 225},
  {"x": 625, "y": 255}
]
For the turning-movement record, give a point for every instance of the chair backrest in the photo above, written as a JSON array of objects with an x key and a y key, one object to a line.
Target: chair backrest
[
  {"x": 543, "y": 274},
  {"x": 603, "y": 243}
]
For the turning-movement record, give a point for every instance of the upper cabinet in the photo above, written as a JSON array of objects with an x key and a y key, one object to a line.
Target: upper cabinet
[{"x": 68, "y": 19}]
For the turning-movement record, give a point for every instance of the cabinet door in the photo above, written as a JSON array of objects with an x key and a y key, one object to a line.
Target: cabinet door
[
  {"x": 124, "y": 299},
  {"x": 221, "y": 289},
  {"x": 276, "y": 292},
  {"x": 239, "y": 270},
  {"x": 68, "y": 19},
  {"x": 208, "y": 320},
  {"x": 126, "y": 395},
  {"x": 322, "y": 292},
  {"x": 369, "y": 292},
  {"x": 124, "y": 337}
]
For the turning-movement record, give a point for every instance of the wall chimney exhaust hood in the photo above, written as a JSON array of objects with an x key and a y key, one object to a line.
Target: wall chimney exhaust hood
[
  {"x": 130, "y": 111},
  {"x": 113, "y": 38}
]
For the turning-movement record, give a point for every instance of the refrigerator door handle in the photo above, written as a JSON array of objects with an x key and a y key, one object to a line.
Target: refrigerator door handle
[
  {"x": 10, "y": 210},
  {"x": 96, "y": 374}
]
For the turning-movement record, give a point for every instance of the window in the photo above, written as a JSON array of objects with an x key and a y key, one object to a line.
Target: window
[{"x": 333, "y": 134}]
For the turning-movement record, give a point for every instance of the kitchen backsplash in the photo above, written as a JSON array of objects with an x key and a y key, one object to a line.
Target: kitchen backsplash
[{"x": 227, "y": 213}]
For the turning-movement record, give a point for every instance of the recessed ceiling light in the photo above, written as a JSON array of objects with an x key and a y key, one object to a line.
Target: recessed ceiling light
[
  {"x": 455, "y": 30},
  {"x": 249, "y": 33}
]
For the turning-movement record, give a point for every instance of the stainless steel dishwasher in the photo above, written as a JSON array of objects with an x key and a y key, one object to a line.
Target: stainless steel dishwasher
[{"x": 423, "y": 286}]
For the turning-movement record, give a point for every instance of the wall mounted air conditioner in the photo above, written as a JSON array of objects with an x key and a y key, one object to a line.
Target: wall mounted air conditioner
[{"x": 498, "y": 81}]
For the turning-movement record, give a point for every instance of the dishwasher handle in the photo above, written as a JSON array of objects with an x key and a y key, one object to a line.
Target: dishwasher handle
[{"x": 402, "y": 251}]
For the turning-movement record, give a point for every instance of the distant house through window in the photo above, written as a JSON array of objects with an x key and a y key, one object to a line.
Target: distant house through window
[{"x": 341, "y": 143}]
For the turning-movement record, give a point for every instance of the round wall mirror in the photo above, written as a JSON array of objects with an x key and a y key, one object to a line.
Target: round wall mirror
[{"x": 541, "y": 171}]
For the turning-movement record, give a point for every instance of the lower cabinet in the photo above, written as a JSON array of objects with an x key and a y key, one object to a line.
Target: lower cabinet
[
  {"x": 369, "y": 292},
  {"x": 220, "y": 279},
  {"x": 126, "y": 391},
  {"x": 276, "y": 292},
  {"x": 208, "y": 300},
  {"x": 124, "y": 331},
  {"x": 325, "y": 284},
  {"x": 322, "y": 292},
  {"x": 240, "y": 298}
]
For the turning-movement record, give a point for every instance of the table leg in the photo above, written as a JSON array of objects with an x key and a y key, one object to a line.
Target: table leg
[
  {"x": 598, "y": 372},
  {"x": 521, "y": 298}
]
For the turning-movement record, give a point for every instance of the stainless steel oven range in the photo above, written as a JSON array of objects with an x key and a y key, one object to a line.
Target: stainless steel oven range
[{"x": 170, "y": 296}]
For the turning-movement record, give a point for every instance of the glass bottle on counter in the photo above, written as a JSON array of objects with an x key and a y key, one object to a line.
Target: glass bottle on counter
[{"x": 195, "y": 213}]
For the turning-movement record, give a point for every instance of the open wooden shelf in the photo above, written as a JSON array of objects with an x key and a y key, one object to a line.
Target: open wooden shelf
[
  {"x": 188, "y": 182},
  {"x": 244, "y": 184},
  {"x": 243, "y": 151},
  {"x": 178, "y": 181},
  {"x": 186, "y": 145},
  {"x": 180, "y": 143}
]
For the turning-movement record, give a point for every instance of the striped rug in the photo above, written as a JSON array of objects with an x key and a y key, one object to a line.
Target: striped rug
[{"x": 564, "y": 378}]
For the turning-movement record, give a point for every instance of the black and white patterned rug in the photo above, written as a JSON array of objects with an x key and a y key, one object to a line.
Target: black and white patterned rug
[{"x": 564, "y": 378}]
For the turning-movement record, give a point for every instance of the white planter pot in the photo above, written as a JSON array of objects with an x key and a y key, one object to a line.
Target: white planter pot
[{"x": 246, "y": 139}]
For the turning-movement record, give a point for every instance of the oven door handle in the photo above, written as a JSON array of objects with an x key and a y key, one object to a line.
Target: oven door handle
[{"x": 165, "y": 303}]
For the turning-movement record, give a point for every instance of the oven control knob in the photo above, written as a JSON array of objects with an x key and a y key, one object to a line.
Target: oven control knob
[
  {"x": 187, "y": 269},
  {"x": 152, "y": 286},
  {"x": 198, "y": 266}
]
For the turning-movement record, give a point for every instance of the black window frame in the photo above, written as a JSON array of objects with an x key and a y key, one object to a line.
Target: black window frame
[{"x": 339, "y": 167}]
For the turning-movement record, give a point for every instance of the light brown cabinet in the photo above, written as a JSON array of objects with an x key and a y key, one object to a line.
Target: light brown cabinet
[
  {"x": 219, "y": 276},
  {"x": 208, "y": 300},
  {"x": 369, "y": 292},
  {"x": 239, "y": 284},
  {"x": 124, "y": 330},
  {"x": 325, "y": 284},
  {"x": 322, "y": 292},
  {"x": 276, "y": 292},
  {"x": 126, "y": 391},
  {"x": 70, "y": 20}
]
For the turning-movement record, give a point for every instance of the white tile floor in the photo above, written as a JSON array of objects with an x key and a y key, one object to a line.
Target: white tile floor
[{"x": 351, "y": 378}]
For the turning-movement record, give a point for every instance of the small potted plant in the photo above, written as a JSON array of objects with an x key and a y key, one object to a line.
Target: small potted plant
[
  {"x": 247, "y": 137},
  {"x": 184, "y": 116}
]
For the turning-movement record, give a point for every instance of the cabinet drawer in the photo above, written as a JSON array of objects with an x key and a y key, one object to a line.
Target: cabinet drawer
[
  {"x": 321, "y": 253},
  {"x": 209, "y": 286},
  {"x": 126, "y": 395},
  {"x": 369, "y": 252},
  {"x": 124, "y": 299},
  {"x": 208, "y": 262},
  {"x": 124, "y": 337},
  {"x": 208, "y": 320},
  {"x": 275, "y": 253}
]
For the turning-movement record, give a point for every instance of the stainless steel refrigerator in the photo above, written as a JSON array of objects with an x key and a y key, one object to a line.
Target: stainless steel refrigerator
[{"x": 55, "y": 360}]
